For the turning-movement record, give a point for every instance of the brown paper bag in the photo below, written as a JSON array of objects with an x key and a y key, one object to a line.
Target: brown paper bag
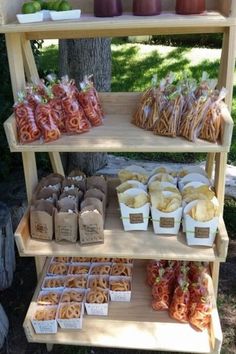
[
  {"x": 66, "y": 220},
  {"x": 80, "y": 184},
  {"x": 96, "y": 193},
  {"x": 97, "y": 182},
  {"x": 41, "y": 220},
  {"x": 94, "y": 202},
  {"x": 90, "y": 226},
  {"x": 47, "y": 194}
]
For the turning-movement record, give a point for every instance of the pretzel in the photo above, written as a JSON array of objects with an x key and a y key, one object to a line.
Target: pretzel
[
  {"x": 97, "y": 297},
  {"x": 78, "y": 269},
  {"x": 67, "y": 312},
  {"x": 76, "y": 282},
  {"x": 98, "y": 282},
  {"x": 46, "y": 314},
  {"x": 72, "y": 296},
  {"x": 58, "y": 269},
  {"x": 81, "y": 259},
  {"x": 121, "y": 269},
  {"x": 100, "y": 259},
  {"x": 101, "y": 269},
  {"x": 51, "y": 298},
  {"x": 121, "y": 260},
  {"x": 120, "y": 285},
  {"x": 54, "y": 283},
  {"x": 62, "y": 259}
]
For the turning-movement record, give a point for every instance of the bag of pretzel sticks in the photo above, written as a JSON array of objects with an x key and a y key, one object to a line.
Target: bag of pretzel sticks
[
  {"x": 206, "y": 84},
  {"x": 192, "y": 120},
  {"x": 168, "y": 121},
  {"x": 211, "y": 128}
]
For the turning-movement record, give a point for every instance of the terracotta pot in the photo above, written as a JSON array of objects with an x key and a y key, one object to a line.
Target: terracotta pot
[
  {"x": 189, "y": 7},
  {"x": 146, "y": 7},
  {"x": 107, "y": 8}
]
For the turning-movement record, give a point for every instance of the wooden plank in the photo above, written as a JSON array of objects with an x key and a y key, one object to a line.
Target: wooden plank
[
  {"x": 143, "y": 245},
  {"x": 56, "y": 163},
  {"x": 220, "y": 169},
  {"x": 29, "y": 62},
  {"x": 97, "y": 26},
  {"x": 210, "y": 164},
  {"x": 227, "y": 66},
  {"x": 15, "y": 59},
  {"x": 30, "y": 172},
  {"x": 134, "y": 325}
]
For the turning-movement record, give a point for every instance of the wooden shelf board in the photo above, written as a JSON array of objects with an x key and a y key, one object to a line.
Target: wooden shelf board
[
  {"x": 133, "y": 325},
  {"x": 118, "y": 134},
  {"x": 127, "y": 24},
  {"x": 118, "y": 243}
]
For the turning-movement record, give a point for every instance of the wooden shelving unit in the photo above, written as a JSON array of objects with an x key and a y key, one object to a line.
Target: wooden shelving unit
[
  {"x": 135, "y": 320},
  {"x": 134, "y": 325}
]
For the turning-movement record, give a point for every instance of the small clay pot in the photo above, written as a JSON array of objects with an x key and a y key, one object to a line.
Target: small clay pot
[
  {"x": 107, "y": 8},
  {"x": 190, "y": 7},
  {"x": 146, "y": 7}
]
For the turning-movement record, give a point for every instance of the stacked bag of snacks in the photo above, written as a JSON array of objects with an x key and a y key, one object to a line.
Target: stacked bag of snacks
[
  {"x": 48, "y": 111},
  {"x": 68, "y": 207},
  {"x": 73, "y": 284},
  {"x": 184, "y": 196},
  {"x": 181, "y": 288},
  {"x": 186, "y": 108}
]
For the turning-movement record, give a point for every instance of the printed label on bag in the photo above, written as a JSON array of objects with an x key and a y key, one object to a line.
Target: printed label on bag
[
  {"x": 136, "y": 218},
  {"x": 91, "y": 229},
  {"x": 202, "y": 232},
  {"x": 41, "y": 228},
  {"x": 167, "y": 223},
  {"x": 65, "y": 231}
]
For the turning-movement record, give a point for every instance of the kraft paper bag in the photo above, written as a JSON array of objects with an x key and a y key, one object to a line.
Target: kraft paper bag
[
  {"x": 98, "y": 182},
  {"x": 41, "y": 220},
  {"x": 94, "y": 202},
  {"x": 66, "y": 220},
  {"x": 90, "y": 226},
  {"x": 96, "y": 193}
]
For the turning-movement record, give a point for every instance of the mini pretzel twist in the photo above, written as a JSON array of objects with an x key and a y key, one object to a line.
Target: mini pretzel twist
[
  {"x": 101, "y": 269},
  {"x": 98, "y": 282},
  {"x": 70, "y": 311},
  {"x": 121, "y": 269},
  {"x": 72, "y": 296},
  {"x": 54, "y": 283},
  {"x": 45, "y": 314},
  {"x": 76, "y": 282},
  {"x": 51, "y": 298},
  {"x": 58, "y": 269},
  {"x": 97, "y": 297},
  {"x": 121, "y": 285}
]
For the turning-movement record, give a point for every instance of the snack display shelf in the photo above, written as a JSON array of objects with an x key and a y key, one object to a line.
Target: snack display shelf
[
  {"x": 120, "y": 243},
  {"x": 90, "y": 26},
  {"x": 119, "y": 108},
  {"x": 134, "y": 325}
]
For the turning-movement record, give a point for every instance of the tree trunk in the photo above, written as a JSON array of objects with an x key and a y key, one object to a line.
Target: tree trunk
[{"x": 85, "y": 57}]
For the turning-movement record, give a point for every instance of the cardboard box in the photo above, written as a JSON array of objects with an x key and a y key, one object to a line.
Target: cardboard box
[
  {"x": 199, "y": 233},
  {"x": 45, "y": 326},
  {"x": 97, "y": 309},
  {"x": 120, "y": 295},
  {"x": 73, "y": 322},
  {"x": 135, "y": 218}
]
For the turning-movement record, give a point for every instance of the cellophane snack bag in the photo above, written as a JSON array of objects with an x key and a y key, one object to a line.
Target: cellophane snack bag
[
  {"x": 46, "y": 119},
  {"x": 27, "y": 128},
  {"x": 89, "y": 100}
]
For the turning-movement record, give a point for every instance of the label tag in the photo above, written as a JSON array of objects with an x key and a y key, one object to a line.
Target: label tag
[
  {"x": 136, "y": 218},
  {"x": 167, "y": 223},
  {"x": 202, "y": 232}
]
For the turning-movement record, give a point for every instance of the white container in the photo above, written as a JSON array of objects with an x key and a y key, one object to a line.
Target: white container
[
  {"x": 65, "y": 15},
  {"x": 29, "y": 18},
  {"x": 166, "y": 223},
  {"x": 199, "y": 233},
  {"x": 46, "y": 15},
  {"x": 158, "y": 176},
  {"x": 163, "y": 185},
  {"x": 135, "y": 218},
  {"x": 120, "y": 296},
  {"x": 47, "y": 294},
  {"x": 135, "y": 184},
  {"x": 60, "y": 287},
  {"x": 138, "y": 172},
  {"x": 94, "y": 309},
  {"x": 193, "y": 169},
  {"x": 193, "y": 177},
  {"x": 44, "y": 327},
  {"x": 71, "y": 323}
]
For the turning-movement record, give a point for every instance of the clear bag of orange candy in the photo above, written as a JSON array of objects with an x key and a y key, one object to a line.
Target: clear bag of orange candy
[
  {"x": 75, "y": 118},
  {"x": 89, "y": 100},
  {"x": 46, "y": 119},
  {"x": 27, "y": 128},
  {"x": 162, "y": 290}
]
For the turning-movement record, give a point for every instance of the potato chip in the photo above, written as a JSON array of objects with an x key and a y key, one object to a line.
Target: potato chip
[
  {"x": 203, "y": 192},
  {"x": 124, "y": 187},
  {"x": 125, "y": 175},
  {"x": 133, "y": 201},
  {"x": 204, "y": 211},
  {"x": 166, "y": 203},
  {"x": 163, "y": 177}
]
